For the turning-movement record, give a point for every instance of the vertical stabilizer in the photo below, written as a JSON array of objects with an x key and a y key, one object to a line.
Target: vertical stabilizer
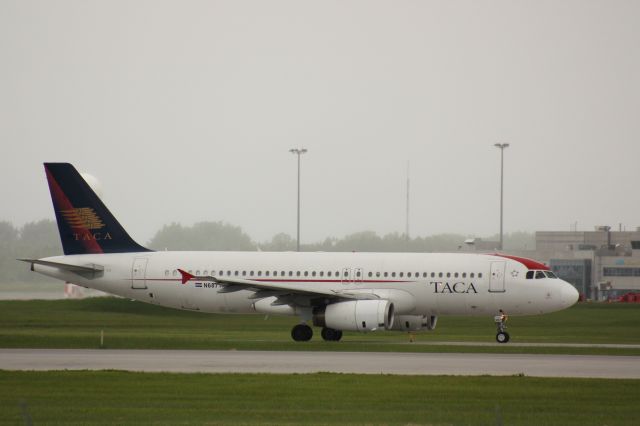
[{"x": 86, "y": 225}]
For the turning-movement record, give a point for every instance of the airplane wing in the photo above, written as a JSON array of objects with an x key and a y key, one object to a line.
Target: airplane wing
[{"x": 264, "y": 289}]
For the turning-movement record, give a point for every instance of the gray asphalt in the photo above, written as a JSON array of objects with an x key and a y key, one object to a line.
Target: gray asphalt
[
  {"x": 530, "y": 345},
  {"x": 191, "y": 361}
]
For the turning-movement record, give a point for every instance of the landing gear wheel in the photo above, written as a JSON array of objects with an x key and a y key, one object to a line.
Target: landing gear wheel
[
  {"x": 331, "y": 335},
  {"x": 502, "y": 337},
  {"x": 301, "y": 333}
]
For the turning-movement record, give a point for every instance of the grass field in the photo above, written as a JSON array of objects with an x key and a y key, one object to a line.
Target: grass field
[
  {"x": 129, "y": 324},
  {"x": 111, "y": 397}
]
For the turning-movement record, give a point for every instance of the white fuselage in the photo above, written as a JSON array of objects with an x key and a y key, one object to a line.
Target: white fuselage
[{"x": 417, "y": 283}]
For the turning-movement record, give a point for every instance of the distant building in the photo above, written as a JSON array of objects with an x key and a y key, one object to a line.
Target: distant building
[{"x": 600, "y": 263}]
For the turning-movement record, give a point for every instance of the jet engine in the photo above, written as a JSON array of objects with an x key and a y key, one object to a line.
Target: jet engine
[
  {"x": 414, "y": 322},
  {"x": 356, "y": 315}
]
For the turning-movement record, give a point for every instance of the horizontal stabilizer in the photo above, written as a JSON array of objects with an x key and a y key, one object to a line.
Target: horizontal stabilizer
[{"x": 91, "y": 267}]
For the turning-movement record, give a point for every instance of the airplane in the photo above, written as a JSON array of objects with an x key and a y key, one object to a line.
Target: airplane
[{"x": 338, "y": 292}]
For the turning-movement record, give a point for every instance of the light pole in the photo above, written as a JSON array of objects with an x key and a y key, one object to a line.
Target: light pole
[
  {"x": 502, "y": 146},
  {"x": 298, "y": 152}
]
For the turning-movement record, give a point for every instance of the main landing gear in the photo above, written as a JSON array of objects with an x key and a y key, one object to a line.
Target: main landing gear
[
  {"x": 301, "y": 333},
  {"x": 304, "y": 333},
  {"x": 331, "y": 335}
]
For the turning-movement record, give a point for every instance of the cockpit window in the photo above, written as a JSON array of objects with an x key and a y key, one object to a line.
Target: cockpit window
[
  {"x": 530, "y": 275},
  {"x": 540, "y": 275},
  {"x": 550, "y": 274}
]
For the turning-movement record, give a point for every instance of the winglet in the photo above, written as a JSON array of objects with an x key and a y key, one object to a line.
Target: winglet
[{"x": 185, "y": 276}]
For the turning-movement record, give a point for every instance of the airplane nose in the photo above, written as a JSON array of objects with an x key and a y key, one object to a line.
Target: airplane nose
[{"x": 569, "y": 295}]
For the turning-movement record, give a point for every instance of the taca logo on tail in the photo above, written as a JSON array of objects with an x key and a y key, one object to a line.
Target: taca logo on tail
[{"x": 86, "y": 225}]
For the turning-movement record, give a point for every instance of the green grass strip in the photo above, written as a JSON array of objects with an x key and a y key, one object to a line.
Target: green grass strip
[
  {"x": 113, "y": 397},
  {"x": 129, "y": 325}
]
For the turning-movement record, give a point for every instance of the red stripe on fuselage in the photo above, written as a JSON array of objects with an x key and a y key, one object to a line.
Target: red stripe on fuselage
[{"x": 274, "y": 281}]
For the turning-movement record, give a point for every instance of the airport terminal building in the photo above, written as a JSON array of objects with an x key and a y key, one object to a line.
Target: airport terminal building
[{"x": 601, "y": 263}]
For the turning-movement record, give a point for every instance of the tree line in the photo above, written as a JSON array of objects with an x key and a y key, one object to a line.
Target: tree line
[{"x": 41, "y": 239}]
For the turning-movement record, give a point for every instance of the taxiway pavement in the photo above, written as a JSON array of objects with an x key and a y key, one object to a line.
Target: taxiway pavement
[{"x": 285, "y": 362}]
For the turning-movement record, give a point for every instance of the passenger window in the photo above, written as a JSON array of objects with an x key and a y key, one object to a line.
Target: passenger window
[
  {"x": 424, "y": 275},
  {"x": 328, "y": 273},
  {"x": 440, "y": 274},
  {"x": 409, "y": 274},
  {"x": 393, "y": 274},
  {"x": 266, "y": 273},
  {"x": 471, "y": 275},
  {"x": 235, "y": 273},
  {"x": 297, "y": 273},
  {"x": 433, "y": 275},
  {"x": 455, "y": 275},
  {"x": 322, "y": 273},
  {"x": 290, "y": 273},
  {"x": 480, "y": 275},
  {"x": 166, "y": 273},
  {"x": 175, "y": 272},
  {"x": 529, "y": 275},
  {"x": 358, "y": 274},
  {"x": 448, "y": 274},
  {"x": 259, "y": 273},
  {"x": 370, "y": 274},
  {"x": 198, "y": 272},
  {"x": 378, "y": 274},
  {"x": 306, "y": 273},
  {"x": 244, "y": 273},
  {"x": 464, "y": 275},
  {"x": 386, "y": 274}
]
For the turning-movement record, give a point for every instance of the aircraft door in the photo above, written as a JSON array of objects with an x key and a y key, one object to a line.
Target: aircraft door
[
  {"x": 139, "y": 273},
  {"x": 351, "y": 276},
  {"x": 496, "y": 277}
]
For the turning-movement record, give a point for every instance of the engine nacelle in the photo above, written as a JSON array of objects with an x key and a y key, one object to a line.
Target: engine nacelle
[
  {"x": 414, "y": 322},
  {"x": 356, "y": 315}
]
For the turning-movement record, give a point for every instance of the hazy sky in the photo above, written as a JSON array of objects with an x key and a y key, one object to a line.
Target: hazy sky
[{"x": 185, "y": 111}]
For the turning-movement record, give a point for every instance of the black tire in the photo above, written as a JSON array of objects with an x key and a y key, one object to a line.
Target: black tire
[
  {"x": 331, "y": 335},
  {"x": 502, "y": 337},
  {"x": 301, "y": 333}
]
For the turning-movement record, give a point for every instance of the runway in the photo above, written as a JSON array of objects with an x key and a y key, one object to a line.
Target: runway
[{"x": 202, "y": 361}]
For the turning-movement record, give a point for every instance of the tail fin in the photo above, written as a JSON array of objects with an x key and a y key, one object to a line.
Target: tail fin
[{"x": 85, "y": 224}]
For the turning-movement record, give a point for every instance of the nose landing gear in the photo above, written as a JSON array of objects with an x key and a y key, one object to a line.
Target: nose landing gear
[{"x": 501, "y": 336}]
